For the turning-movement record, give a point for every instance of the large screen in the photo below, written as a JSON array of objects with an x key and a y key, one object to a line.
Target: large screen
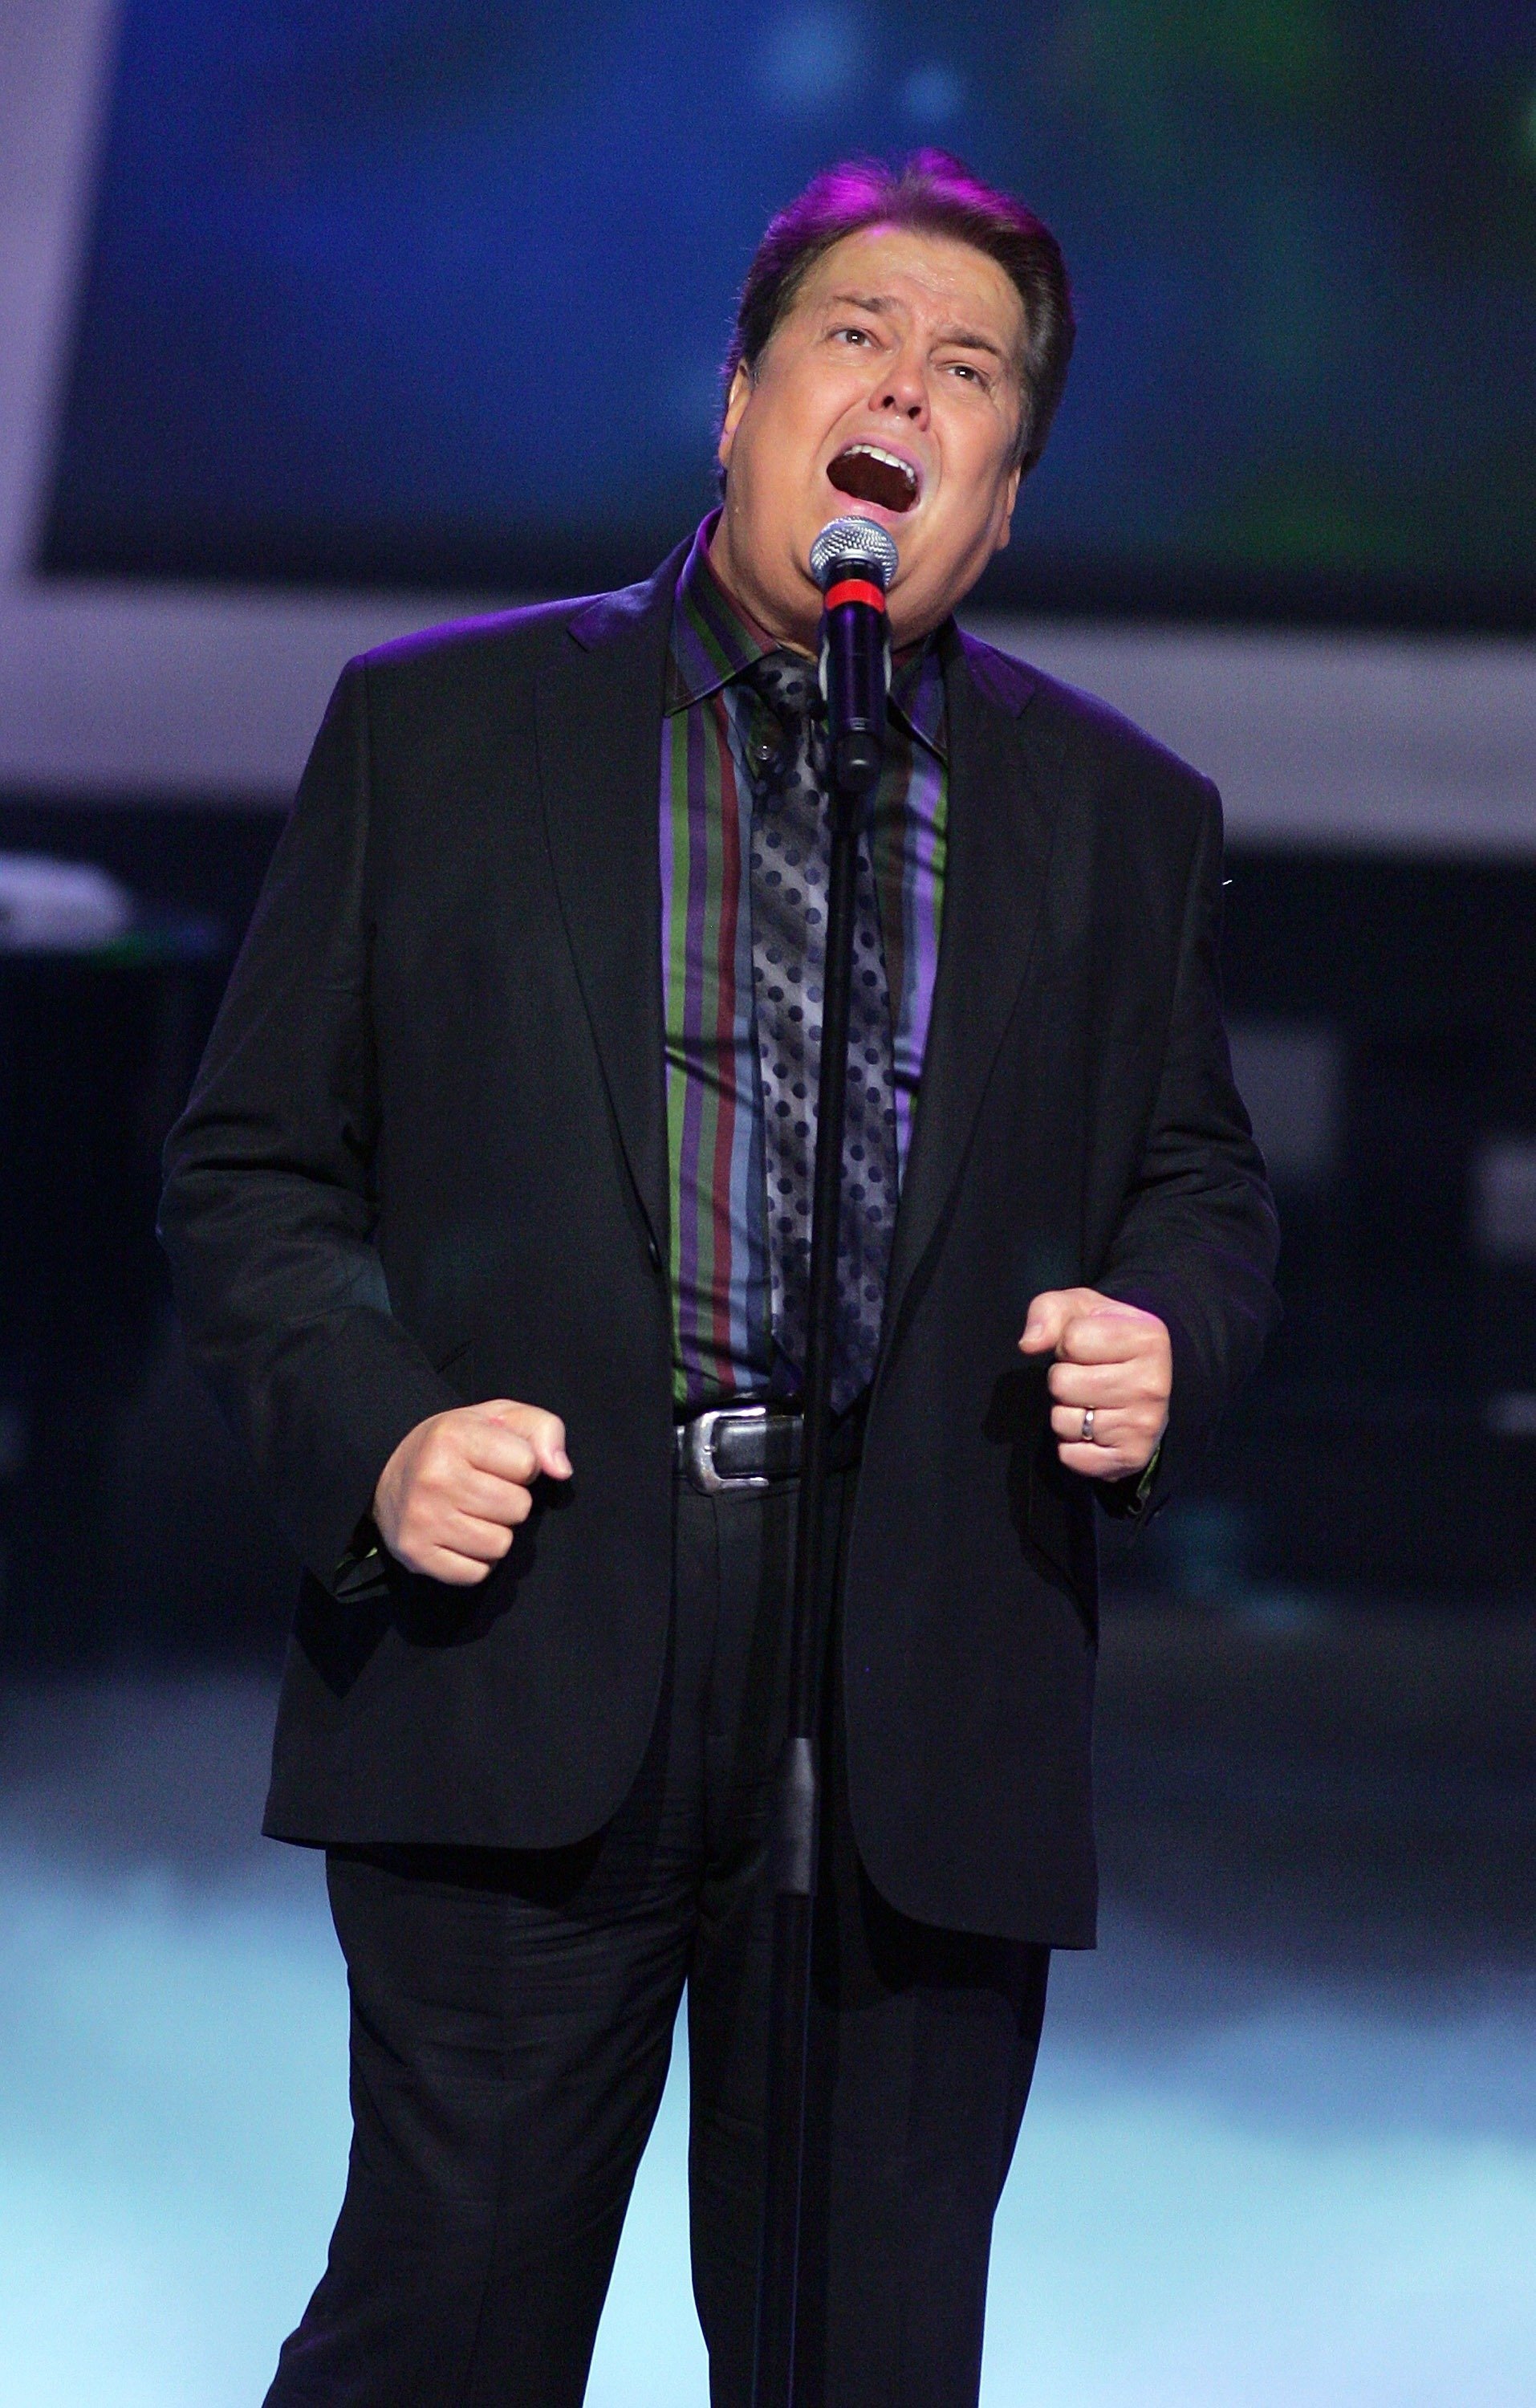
[{"x": 437, "y": 291}]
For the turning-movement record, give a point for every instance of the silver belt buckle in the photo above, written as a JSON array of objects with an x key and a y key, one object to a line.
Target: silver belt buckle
[{"x": 699, "y": 1449}]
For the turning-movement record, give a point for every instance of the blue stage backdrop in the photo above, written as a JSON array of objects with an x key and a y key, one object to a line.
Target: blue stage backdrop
[{"x": 437, "y": 288}]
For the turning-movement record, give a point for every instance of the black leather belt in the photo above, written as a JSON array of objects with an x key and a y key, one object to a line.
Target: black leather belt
[{"x": 754, "y": 1446}]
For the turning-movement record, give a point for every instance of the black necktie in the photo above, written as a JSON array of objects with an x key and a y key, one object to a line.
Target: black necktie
[{"x": 791, "y": 865}]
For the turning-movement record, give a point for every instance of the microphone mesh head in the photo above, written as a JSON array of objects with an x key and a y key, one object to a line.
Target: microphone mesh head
[{"x": 856, "y": 546}]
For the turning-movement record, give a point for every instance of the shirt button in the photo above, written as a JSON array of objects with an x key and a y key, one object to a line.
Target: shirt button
[{"x": 765, "y": 745}]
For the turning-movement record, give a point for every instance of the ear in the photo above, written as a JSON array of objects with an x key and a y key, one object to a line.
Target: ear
[
  {"x": 736, "y": 402},
  {"x": 1011, "y": 495}
]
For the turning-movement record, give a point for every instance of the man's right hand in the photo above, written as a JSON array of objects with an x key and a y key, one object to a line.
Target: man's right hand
[{"x": 458, "y": 1486}]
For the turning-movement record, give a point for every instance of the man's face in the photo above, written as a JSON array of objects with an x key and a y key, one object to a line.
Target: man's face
[{"x": 890, "y": 391}]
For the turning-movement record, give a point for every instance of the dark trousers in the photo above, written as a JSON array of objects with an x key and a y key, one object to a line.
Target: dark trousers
[{"x": 511, "y": 2021}]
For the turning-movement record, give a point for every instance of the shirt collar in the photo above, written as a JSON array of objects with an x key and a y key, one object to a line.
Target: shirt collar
[
  {"x": 917, "y": 697},
  {"x": 713, "y": 641}
]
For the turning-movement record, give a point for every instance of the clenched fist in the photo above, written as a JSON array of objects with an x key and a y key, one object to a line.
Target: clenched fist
[
  {"x": 458, "y": 1485},
  {"x": 1112, "y": 1359}
]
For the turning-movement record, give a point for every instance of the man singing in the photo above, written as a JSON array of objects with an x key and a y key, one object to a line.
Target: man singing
[{"x": 490, "y": 1222}]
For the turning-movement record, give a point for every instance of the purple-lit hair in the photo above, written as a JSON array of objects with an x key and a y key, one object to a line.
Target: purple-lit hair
[{"x": 934, "y": 192}]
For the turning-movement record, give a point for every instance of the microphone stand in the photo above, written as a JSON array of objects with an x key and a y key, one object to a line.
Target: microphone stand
[{"x": 856, "y": 680}]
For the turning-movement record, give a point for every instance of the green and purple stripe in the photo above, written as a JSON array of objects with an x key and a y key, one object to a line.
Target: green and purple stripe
[{"x": 723, "y": 1344}]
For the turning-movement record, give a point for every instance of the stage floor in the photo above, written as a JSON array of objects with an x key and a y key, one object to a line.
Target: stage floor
[{"x": 1283, "y": 2141}]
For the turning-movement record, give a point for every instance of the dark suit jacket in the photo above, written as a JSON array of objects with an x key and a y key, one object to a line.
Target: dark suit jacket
[{"x": 425, "y": 1162}]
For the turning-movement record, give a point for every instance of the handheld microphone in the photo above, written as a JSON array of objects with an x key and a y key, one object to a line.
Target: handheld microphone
[{"x": 853, "y": 561}]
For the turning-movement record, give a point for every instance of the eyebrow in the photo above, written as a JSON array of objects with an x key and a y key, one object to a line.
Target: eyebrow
[
  {"x": 880, "y": 305},
  {"x": 971, "y": 342}
]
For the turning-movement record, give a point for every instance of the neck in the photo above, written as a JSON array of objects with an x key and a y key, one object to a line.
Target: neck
[
  {"x": 758, "y": 616},
  {"x": 758, "y": 613}
]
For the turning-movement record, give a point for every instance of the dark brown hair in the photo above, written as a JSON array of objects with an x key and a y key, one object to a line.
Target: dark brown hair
[{"x": 933, "y": 193}]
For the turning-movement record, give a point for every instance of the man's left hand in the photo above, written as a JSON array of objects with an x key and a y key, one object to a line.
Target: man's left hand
[{"x": 1112, "y": 1359}]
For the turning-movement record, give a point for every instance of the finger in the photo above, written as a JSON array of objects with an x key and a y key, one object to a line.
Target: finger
[
  {"x": 442, "y": 1564},
  {"x": 545, "y": 1433},
  {"x": 482, "y": 1542},
  {"x": 1100, "y": 1462},
  {"x": 485, "y": 1496},
  {"x": 1108, "y": 1334},
  {"x": 1108, "y": 1428},
  {"x": 427, "y": 1528},
  {"x": 1046, "y": 1319},
  {"x": 1128, "y": 1435},
  {"x": 1099, "y": 1384},
  {"x": 495, "y": 1448}
]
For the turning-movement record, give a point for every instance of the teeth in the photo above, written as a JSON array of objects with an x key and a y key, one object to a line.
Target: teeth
[{"x": 890, "y": 459}]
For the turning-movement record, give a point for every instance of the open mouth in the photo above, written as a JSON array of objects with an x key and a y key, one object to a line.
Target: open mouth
[{"x": 866, "y": 474}]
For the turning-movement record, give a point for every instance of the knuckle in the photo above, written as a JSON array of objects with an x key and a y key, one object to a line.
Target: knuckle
[
  {"x": 438, "y": 1457},
  {"x": 444, "y": 1494}
]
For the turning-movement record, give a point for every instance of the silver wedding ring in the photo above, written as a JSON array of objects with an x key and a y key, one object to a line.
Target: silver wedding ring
[{"x": 1087, "y": 1425}]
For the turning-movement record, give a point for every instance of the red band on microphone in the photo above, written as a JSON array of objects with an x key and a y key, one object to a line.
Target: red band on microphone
[{"x": 854, "y": 589}]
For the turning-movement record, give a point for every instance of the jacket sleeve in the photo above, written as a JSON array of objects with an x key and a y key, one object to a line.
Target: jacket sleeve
[
  {"x": 1197, "y": 1240},
  {"x": 268, "y": 1210}
]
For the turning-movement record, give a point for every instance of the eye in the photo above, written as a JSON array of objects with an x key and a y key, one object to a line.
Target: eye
[
  {"x": 964, "y": 368},
  {"x": 852, "y": 335}
]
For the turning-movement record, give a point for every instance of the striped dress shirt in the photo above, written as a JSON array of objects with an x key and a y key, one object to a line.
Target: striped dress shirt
[{"x": 722, "y": 1334}]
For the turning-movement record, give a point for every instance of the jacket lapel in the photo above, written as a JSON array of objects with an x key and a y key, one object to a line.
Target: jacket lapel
[
  {"x": 1002, "y": 825},
  {"x": 597, "y": 709}
]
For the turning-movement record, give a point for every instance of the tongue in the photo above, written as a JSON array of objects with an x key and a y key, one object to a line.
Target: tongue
[{"x": 864, "y": 479}]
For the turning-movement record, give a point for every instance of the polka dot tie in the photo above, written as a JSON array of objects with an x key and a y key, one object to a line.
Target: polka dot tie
[{"x": 791, "y": 872}]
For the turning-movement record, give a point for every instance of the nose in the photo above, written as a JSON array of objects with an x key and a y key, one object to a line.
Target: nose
[{"x": 903, "y": 387}]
